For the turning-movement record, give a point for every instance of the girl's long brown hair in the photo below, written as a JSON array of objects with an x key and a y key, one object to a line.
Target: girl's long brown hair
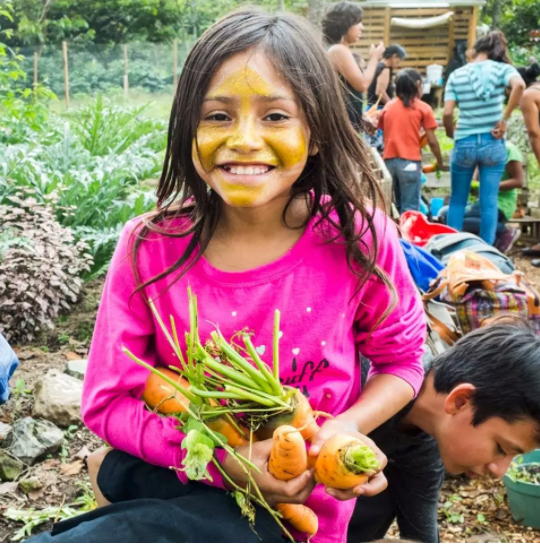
[
  {"x": 340, "y": 170},
  {"x": 495, "y": 46}
]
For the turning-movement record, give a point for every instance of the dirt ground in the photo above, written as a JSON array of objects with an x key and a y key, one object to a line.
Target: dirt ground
[{"x": 470, "y": 511}]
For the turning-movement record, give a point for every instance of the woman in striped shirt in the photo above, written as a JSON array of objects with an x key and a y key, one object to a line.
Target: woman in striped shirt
[{"x": 478, "y": 88}]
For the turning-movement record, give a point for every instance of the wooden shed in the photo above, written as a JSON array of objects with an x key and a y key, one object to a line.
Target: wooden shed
[{"x": 427, "y": 29}]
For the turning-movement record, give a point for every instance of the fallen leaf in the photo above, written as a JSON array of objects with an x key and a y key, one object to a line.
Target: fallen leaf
[
  {"x": 50, "y": 464},
  {"x": 83, "y": 453},
  {"x": 7, "y": 488},
  {"x": 36, "y": 494},
  {"x": 23, "y": 356},
  {"x": 72, "y": 468},
  {"x": 72, "y": 356}
]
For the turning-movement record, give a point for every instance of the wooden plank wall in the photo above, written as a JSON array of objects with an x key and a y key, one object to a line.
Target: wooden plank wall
[{"x": 423, "y": 46}]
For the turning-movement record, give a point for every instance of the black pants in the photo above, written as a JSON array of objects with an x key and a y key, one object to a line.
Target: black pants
[{"x": 150, "y": 504}]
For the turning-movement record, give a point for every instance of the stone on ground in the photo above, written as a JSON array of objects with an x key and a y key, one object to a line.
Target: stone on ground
[
  {"x": 10, "y": 467},
  {"x": 76, "y": 368},
  {"x": 31, "y": 440},
  {"x": 58, "y": 398}
]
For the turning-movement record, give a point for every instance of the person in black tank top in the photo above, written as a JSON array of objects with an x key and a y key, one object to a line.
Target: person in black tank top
[
  {"x": 342, "y": 27},
  {"x": 382, "y": 83}
]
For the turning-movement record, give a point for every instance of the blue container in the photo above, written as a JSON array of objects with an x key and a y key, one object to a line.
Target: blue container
[{"x": 436, "y": 204}]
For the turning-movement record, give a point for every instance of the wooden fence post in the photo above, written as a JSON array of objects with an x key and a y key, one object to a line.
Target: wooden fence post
[
  {"x": 66, "y": 72},
  {"x": 175, "y": 64},
  {"x": 451, "y": 37},
  {"x": 126, "y": 71},
  {"x": 387, "y": 21},
  {"x": 473, "y": 21},
  {"x": 35, "y": 69}
]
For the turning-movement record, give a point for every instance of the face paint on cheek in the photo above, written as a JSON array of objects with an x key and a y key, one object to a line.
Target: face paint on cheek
[{"x": 290, "y": 145}]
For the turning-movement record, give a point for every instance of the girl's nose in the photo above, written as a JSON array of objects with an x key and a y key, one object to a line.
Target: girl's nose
[{"x": 245, "y": 137}]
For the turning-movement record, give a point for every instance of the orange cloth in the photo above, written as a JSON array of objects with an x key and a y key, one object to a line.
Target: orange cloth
[{"x": 401, "y": 128}]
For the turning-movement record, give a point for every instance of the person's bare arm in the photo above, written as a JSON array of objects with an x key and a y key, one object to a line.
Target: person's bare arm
[
  {"x": 435, "y": 148},
  {"x": 343, "y": 60},
  {"x": 531, "y": 112},
  {"x": 517, "y": 86},
  {"x": 382, "y": 85},
  {"x": 448, "y": 117},
  {"x": 517, "y": 176}
]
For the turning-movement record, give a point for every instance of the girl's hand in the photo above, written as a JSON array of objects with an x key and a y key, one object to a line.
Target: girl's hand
[
  {"x": 296, "y": 490},
  {"x": 376, "y": 483},
  {"x": 500, "y": 129},
  {"x": 377, "y": 51}
]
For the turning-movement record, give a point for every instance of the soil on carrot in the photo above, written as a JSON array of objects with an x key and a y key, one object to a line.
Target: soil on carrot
[{"x": 470, "y": 511}]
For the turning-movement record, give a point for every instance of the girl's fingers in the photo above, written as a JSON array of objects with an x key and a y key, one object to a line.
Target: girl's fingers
[{"x": 374, "y": 486}]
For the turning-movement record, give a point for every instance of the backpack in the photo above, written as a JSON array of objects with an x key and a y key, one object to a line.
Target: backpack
[
  {"x": 444, "y": 246},
  {"x": 479, "y": 292},
  {"x": 422, "y": 265}
]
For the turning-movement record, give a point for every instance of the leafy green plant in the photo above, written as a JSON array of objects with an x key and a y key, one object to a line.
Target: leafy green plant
[
  {"x": 40, "y": 275},
  {"x": 524, "y": 473}
]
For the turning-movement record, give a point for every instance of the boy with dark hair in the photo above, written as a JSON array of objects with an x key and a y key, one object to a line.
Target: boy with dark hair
[{"x": 478, "y": 408}]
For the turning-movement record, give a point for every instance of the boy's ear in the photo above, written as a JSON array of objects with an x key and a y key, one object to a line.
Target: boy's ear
[
  {"x": 313, "y": 150},
  {"x": 459, "y": 398}
]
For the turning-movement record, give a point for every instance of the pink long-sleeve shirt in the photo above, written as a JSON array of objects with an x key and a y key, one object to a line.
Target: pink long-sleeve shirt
[{"x": 324, "y": 327}]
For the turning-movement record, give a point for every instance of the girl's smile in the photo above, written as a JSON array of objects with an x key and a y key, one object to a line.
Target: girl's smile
[{"x": 252, "y": 139}]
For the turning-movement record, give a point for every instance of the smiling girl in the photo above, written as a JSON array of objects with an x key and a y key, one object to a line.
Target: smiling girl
[{"x": 266, "y": 202}]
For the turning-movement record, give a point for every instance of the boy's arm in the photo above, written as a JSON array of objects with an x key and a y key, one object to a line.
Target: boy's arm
[
  {"x": 435, "y": 148},
  {"x": 517, "y": 176},
  {"x": 530, "y": 112}
]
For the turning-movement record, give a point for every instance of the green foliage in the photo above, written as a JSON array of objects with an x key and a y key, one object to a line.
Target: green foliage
[
  {"x": 120, "y": 21},
  {"x": 520, "y": 20}
]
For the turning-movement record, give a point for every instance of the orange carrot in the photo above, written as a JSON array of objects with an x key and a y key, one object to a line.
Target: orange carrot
[
  {"x": 165, "y": 399},
  {"x": 288, "y": 458},
  {"x": 427, "y": 169},
  {"x": 162, "y": 397},
  {"x": 235, "y": 438},
  {"x": 302, "y": 418},
  {"x": 300, "y": 517},
  {"x": 345, "y": 462}
]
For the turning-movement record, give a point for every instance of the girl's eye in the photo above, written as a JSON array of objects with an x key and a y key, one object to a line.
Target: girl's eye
[
  {"x": 500, "y": 450},
  {"x": 276, "y": 117},
  {"x": 217, "y": 117}
]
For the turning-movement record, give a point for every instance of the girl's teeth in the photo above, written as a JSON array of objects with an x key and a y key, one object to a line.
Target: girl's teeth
[{"x": 247, "y": 170}]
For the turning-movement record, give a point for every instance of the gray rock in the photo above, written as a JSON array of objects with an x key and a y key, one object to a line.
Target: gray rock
[
  {"x": 30, "y": 484},
  {"x": 10, "y": 467},
  {"x": 31, "y": 440},
  {"x": 4, "y": 430},
  {"x": 76, "y": 368},
  {"x": 58, "y": 398}
]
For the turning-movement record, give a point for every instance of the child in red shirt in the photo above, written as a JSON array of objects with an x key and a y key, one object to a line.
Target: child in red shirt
[{"x": 402, "y": 121}]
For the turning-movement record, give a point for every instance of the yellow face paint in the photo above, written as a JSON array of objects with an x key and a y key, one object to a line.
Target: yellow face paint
[{"x": 250, "y": 117}]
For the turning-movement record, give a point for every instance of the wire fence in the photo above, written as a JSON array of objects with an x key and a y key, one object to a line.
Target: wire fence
[{"x": 73, "y": 69}]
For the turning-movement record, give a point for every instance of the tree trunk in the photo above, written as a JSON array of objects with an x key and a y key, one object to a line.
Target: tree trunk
[
  {"x": 315, "y": 12},
  {"x": 496, "y": 14},
  {"x": 281, "y": 5}
]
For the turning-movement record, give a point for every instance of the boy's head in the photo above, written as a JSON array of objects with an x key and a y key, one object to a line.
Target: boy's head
[
  {"x": 491, "y": 383},
  {"x": 393, "y": 55}
]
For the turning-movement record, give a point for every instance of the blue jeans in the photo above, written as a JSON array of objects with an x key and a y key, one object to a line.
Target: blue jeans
[
  {"x": 406, "y": 183},
  {"x": 489, "y": 155}
]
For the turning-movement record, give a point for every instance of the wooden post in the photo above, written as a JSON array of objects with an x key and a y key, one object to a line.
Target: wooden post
[
  {"x": 66, "y": 72},
  {"x": 451, "y": 37},
  {"x": 126, "y": 71},
  {"x": 473, "y": 22},
  {"x": 387, "y": 21},
  {"x": 35, "y": 69},
  {"x": 175, "y": 64}
]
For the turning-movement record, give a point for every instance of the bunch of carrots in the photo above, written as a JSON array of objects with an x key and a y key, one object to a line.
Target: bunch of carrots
[{"x": 225, "y": 396}]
